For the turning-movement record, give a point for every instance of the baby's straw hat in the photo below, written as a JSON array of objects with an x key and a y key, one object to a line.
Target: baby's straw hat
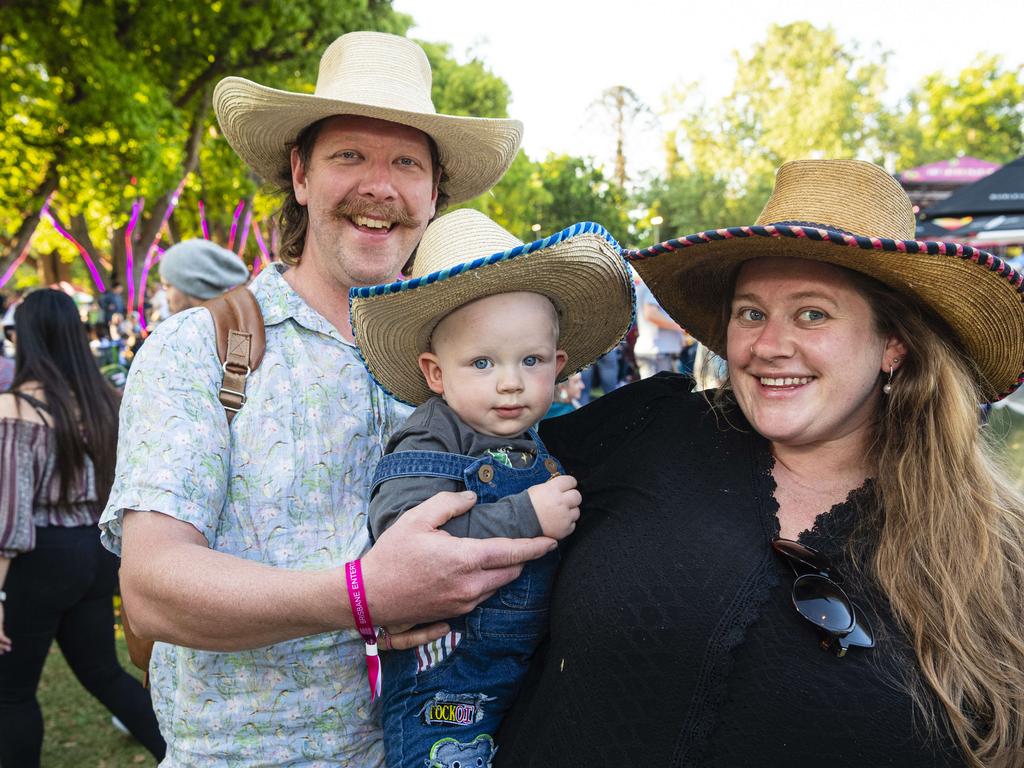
[{"x": 465, "y": 256}]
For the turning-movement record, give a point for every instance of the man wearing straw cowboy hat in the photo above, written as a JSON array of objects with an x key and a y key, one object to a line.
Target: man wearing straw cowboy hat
[{"x": 233, "y": 537}]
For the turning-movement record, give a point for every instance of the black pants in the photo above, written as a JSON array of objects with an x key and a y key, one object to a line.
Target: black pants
[{"x": 64, "y": 589}]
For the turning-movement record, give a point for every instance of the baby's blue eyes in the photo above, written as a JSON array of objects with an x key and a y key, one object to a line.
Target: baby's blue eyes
[
  {"x": 481, "y": 363},
  {"x": 530, "y": 360}
]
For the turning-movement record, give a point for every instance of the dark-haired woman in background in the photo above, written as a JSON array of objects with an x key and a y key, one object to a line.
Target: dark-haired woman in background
[{"x": 58, "y": 438}]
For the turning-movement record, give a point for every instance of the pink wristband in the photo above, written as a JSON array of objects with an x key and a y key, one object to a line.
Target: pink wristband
[{"x": 361, "y": 614}]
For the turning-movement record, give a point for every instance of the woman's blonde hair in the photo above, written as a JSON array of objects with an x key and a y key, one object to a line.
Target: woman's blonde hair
[
  {"x": 950, "y": 525},
  {"x": 950, "y": 531}
]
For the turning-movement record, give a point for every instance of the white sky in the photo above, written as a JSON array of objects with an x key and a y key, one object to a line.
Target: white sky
[{"x": 558, "y": 56}]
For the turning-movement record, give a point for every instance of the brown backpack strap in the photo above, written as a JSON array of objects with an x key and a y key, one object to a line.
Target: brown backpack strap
[
  {"x": 139, "y": 650},
  {"x": 241, "y": 340}
]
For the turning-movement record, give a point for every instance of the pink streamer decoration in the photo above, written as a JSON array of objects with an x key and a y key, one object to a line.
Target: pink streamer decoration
[
  {"x": 81, "y": 249},
  {"x": 202, "y": 220},
  {"x": 148, "y": 263},
  {"x": 129, "y": 249},
  {"x": 245, "y": 231},
  {"x": 234, "y": 224},
  {"x": 13, "y": 268},
  {"x": 24, "y": 251},
  {"x": 264, "y": 257}
]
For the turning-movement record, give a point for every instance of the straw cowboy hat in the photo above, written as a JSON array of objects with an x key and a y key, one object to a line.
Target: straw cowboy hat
[
  {"x": 855, "y": 215},
  {"x": 465, "y": 256},
  {"x": 370, "y": 74}
]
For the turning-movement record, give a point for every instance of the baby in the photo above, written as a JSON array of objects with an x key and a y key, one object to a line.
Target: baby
[{"x": 478, "y": 345}]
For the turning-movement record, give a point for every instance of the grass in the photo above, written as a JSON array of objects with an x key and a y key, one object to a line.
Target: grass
[
  {"x": 78, "y": 729},
  {"x": 79, "y": 733}
]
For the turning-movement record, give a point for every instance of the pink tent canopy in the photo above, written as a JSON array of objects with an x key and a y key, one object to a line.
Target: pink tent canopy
[{"x": 959, "y": 170}]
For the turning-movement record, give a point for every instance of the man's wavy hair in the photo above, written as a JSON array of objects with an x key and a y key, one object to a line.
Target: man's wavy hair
[{"x": 292, "y": 218}]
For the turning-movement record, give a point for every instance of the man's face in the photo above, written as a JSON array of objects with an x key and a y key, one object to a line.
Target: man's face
[
  {"x": 369, "y": 190},
  {"x": 178, "y": 300}
]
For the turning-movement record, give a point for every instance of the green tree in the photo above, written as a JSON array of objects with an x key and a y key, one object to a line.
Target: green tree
[
  {"x": 978, "y": 112},
  {"x": 621, "y": 106},
  {"x": 580, "y": 192},
  {"x": 117, "y": 100},
  {"x": 465, "y": 89},
  {"x": 799, "y": 93}
]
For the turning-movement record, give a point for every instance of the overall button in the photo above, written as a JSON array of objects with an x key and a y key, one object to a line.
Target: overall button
[
  {"x": 485, "y": 473},
  {"x": 551, "y": 466}
]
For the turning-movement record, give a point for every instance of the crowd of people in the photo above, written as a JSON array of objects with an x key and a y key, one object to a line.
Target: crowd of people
[{"x": 377, "y": 528}]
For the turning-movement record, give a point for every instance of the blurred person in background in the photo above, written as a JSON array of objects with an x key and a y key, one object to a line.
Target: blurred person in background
[
  {"x": 6, "y": 363},
  {"x": 58, "y": 435},
  {"x": 112, "y": 301},
  {"x": 567, "y": 396},
  {"x": 196, "y": 270},
  {"x": 660, "y": 342}
]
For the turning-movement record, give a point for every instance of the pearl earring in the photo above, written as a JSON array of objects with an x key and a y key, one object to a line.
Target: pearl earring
[{"x": 887, "y": 388}]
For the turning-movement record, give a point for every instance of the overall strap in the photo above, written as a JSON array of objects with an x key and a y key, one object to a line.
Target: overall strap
[
  {"x": 241, "y": 341},
  {"x": 551, "y": 464},
  {"x": 420, "y": 464}
]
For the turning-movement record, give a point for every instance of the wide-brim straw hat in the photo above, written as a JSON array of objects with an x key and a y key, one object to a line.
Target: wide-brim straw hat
[
  {"x": 369, "y": 74},
  {"x": 465, "y": 256},
  {"x": 855, "y": 215}
]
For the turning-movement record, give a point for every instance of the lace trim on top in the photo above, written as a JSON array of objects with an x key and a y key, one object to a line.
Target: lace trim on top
[{"x": 831, "y": 528}]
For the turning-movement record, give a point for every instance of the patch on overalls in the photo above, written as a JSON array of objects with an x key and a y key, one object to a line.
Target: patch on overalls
[
  {"x": 436, "y": 651},
  {"x": 454, "y": 708},
  {"x": 449, "y": 753}
]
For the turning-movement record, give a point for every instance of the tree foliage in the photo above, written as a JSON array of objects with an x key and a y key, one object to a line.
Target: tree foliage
[
  {"x": 978, "y": 112},
  {"x": 799, "y": 93},
  {"x": 116, "y": 101},
  {"x": 107, "y": 103}
]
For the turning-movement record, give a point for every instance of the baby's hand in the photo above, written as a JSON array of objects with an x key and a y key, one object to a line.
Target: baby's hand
[{"x": 557, "y": 504}]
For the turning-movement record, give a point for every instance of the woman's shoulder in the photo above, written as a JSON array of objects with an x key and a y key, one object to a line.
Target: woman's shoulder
[
  {"x": 656, "y": 395},
  {"x": 17, "y": 408},
  {"x": 613, "y": 419}
]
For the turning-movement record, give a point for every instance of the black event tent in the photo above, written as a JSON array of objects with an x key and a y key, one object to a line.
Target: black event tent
[{"x": 1001, "y": 193}]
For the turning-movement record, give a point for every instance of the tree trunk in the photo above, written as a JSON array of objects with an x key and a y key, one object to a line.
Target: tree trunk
[
  {"x": 148, "y": 231},
  {"x": 30, "y": 222}
]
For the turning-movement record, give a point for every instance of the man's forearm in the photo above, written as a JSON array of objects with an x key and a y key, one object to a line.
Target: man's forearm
[
  {"x": 184, "y": 593},
  {"x": 178, "y": 590}
]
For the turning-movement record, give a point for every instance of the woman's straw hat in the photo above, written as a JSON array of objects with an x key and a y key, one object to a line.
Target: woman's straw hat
[
  {"x": 465, "y": 256},
  {"x": 855, "y": 215},
  {"x": 370, "y": 74}
]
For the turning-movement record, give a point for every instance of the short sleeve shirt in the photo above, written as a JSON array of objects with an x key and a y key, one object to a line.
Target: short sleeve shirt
[
  {"x": 287, "y": 485},
  {"x": 652, "y": 340}
]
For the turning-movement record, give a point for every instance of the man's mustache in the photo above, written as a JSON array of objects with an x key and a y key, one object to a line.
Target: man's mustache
[{"x": 357, "y": 206}]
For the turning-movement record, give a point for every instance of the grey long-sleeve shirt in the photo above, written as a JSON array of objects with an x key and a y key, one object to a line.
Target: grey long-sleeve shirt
[{"x": 436, "y": 427}]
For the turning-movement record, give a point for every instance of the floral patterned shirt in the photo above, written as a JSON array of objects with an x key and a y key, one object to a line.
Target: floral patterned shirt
[{"x": 286, "y": 485}]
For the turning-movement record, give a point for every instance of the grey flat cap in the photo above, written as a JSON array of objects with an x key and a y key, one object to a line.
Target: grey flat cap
[{"x": 202, "y": 269}]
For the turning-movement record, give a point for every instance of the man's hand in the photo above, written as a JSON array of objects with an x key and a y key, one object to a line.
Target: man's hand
[
  {"x": 416, "y": 573},
  {"x": 557, "y": 504}
]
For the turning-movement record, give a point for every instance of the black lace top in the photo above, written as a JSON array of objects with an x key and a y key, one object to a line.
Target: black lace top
[{"x": 673, "y": 639}]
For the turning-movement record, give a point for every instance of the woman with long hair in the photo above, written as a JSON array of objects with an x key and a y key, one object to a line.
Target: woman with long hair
[
  {"x": 821, "y": 562},
  {"x": 58, "y": 439}
]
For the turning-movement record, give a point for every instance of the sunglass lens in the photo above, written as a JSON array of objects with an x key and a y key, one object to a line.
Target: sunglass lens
[
  {"x": 861, "y": 634},
  {"x": 807, "y": 558},
  {"x": 822, "y": 602}
]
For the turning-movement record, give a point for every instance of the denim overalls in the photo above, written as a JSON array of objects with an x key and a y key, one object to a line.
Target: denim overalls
[{"x": 442, "y": 705}]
